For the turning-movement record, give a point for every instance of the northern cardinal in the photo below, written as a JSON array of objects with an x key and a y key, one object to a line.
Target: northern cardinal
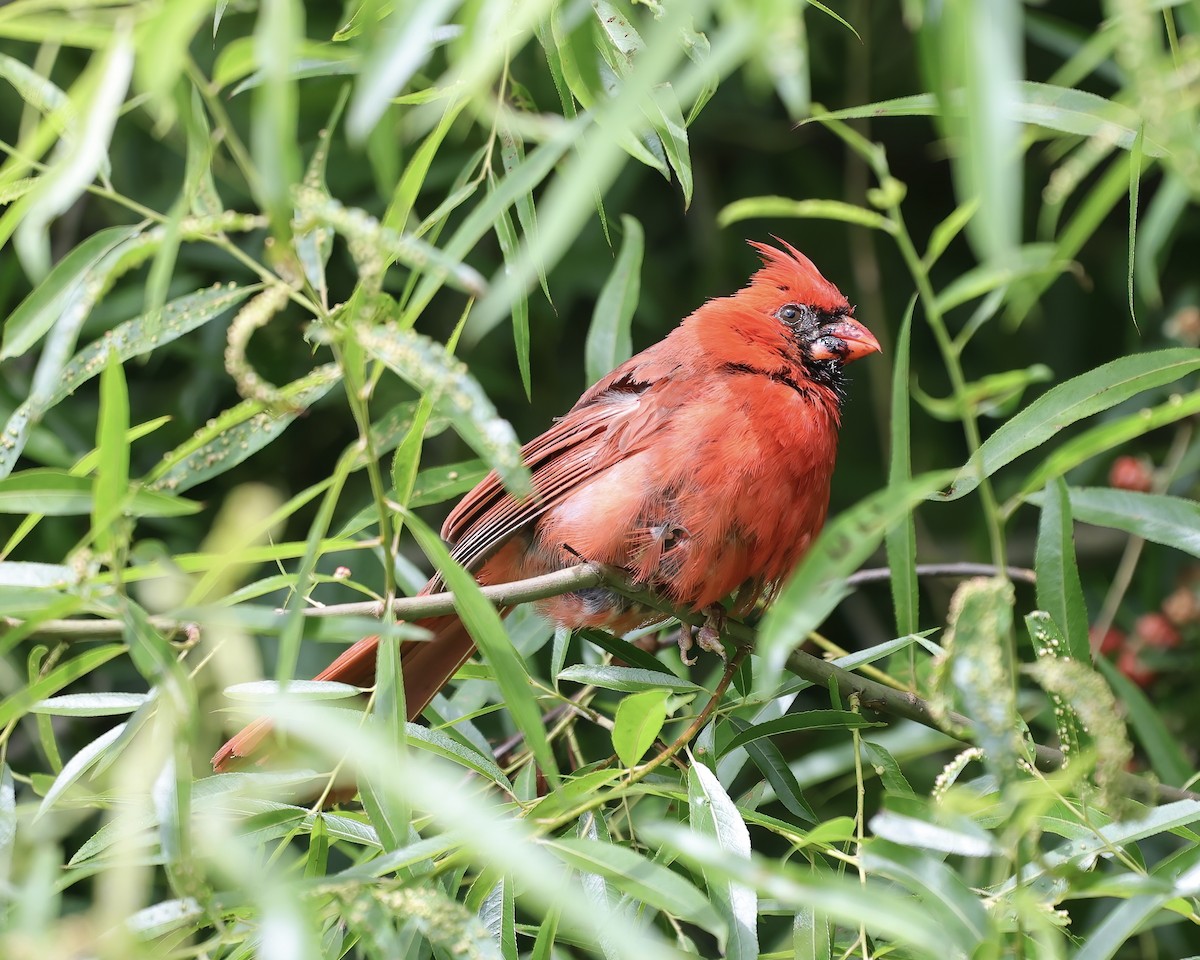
[{"x": 699, "y": 467}]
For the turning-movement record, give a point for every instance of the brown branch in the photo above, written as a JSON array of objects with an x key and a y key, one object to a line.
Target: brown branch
[{"x": 875, "y": 695}]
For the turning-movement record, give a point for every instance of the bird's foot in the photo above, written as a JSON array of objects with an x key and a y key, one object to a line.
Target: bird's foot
[
  {"x": 709, "y": 636},
  {"x": 685, "y": 644}
]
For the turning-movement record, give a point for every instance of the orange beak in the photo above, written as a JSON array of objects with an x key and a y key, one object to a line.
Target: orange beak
[{"x": 845, "y": 339}]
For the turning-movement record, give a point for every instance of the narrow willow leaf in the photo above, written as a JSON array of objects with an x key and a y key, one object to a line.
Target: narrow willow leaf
[
  {"x": 638, "y": 721},
  {"x": 507, "y": 237},
  {"x": 608, "y": 341},
  {"x": 1030, "y": 260},
  {"x": 793, "y": 722},
  {"x": 428, "y": 367},
  {"x": 1079, "y": 397},
  {"x": 77, "y": 766},
  {"x": 666, "y": 117},
  {"x": 61, "y": 287},
  {"x": 945, "y": 232},
  {"x": 487, "y": 832},
  {"x": 901, "y": 540},
  {"x": 1059, "y": 591},
  {"x": 712, "y": 812},
  {"x": 57, "y": 493},
  {"x": 621, "y": 649},
  {"x": 1048, "y": 641},
  {"x": 20, "y": 703},
  {"x": 80, "y": 158},
  {"x": 1162, "y": 746},
  {"x": 975, "y": 677},
  {"x": 843, "y": 899},
  {"x": 812, "y": 935},
  {"x": 755, "y": 207},
  {"x": 1092, "y": 701},
  {"x": 127, "y": 340},
  {"x": 628, "y": 679},
  {"x": 926, "y": 835},
  {"x": 439, "y": 742},
  {"x": 1135, "y": 180},
  {"x": 237, "y": 434},
  {"x": 1041, "y": 104},
  {"x": 26, "y": 573},
  {"x": 769, "y": 759},
  {"x": 111, "y": 482},
  {"x": 817, "y": 586},
  {"x": 370, "y": 241},
  {"x": 393, "y": 54},
  {"x": 1105, "y": 436},
  {"x": 887, "y": 769},
  {"x": 262, "y": 691},
  {"x": 486, "y": 628},
  {"x": 640, "y": 878},
  {"x": 1172, "y": 521},
  {"x": 90, "y": 704},
  {"x": 274, "y": 108},
  {"x": 940, "y": 890}
]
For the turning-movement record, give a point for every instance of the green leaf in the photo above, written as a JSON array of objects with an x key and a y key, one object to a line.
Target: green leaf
[
  {"x": 925, "y": 834},
  {"x": 901, "y": 540},
  {"x": 639, "y": 718},
  {"x": 77, "y": 766},
  {"x": 976, "y": 676},
  {"x": 1106, "y": 436},
  {"x": 99, "y": 95},
  {"x": 91, "y": 704},
  {"x": 1045, "y": 105},
  {"x": 793, "y": 722},
  {"x": 1162, "y": 746},
  {"x": 111, "y": 482},
  {"x": 756, "y": 207},
  {"x": 507, "y": 237},
  {"x": 608, "y": 340},
  {"x": 58, "y": 493},
  {"x": 274, "y": 109},
  {"x": 628, "y": 679},
  {"x": 17, "y": 705},
  {"x": 393, "y": 54},
  {"x": 61, "y": 287},
  {"x": 843, "y": 899},
  {"x": 264, "y": 691},
  {"x": 769, "y": 759},
  {"x": 456, "y": 395},
  {"x": 238, "y": 433},
  {"x": 1059, "y": 591},
  {"x": 1060, "y": 406},
  {"x": 712, "y": 812},
  {"x": 1172, "y": 521},
  {"x": 1030, "y": 260},
  {"x": 817, "y": 585},
  {"x": 640, "y": 878},
  {"x": 487, "y": 630}
]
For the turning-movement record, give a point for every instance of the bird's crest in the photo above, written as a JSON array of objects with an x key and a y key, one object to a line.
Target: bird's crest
[{"x": 792, "y": 273}]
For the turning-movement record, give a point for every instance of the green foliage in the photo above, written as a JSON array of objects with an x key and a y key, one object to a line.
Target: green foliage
[{"x": 295, "y": 239}]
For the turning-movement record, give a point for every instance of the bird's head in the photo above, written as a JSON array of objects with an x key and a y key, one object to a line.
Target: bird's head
[{"x": 806, "y": 311}]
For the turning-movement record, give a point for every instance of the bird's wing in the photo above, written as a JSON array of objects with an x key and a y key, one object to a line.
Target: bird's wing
[{"x": 613, "y": 419}]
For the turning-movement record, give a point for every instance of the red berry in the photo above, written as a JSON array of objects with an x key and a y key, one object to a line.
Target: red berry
[
  {"x": 1182, "y": 607},
  {"x": 1130, "y": 664},
  {"x": 1112, "y": 641},
  {"x": 1155, "y": 630},
  {"x": 1131, "y": 473}
]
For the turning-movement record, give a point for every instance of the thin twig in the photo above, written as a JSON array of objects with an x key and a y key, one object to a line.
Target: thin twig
[{"x": 579, "y": 577}]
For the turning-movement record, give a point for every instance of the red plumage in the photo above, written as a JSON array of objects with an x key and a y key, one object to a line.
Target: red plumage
[{"x": 701, "y": 467}]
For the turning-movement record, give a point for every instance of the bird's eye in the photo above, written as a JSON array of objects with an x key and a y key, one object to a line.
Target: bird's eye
[{"x": 789, "y": 314}]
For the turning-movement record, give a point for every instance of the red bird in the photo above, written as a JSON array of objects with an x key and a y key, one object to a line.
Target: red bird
[{"x": 700, "y": 467}]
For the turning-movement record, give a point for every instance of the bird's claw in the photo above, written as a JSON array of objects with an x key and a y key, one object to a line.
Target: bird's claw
[
  {"x": 685, "y": 644},
  {"x": 708, "y": 636}
]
